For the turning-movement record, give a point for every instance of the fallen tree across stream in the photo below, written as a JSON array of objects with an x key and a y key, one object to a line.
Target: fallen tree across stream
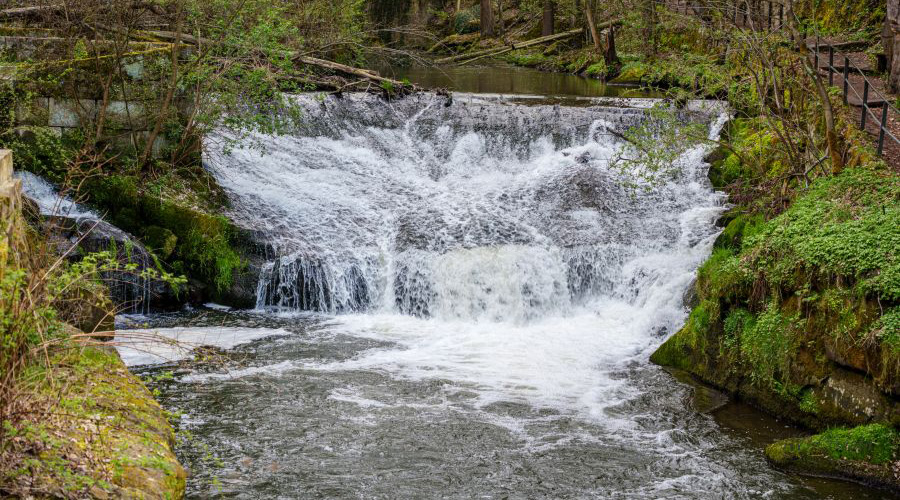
[{"x": 471, "y": 56}]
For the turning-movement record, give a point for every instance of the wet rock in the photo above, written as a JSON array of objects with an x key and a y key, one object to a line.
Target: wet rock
[
  {"x": 866, "y": 454},
  {"x": 76, "y": 237},
  {"x": 853, "y": 398}
]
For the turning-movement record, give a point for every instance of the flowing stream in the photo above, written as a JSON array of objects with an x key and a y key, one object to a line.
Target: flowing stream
[{"x": 459, "y": 302}]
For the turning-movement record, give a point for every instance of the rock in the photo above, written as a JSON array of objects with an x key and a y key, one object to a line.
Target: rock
[
  {"x": 866, "y": 454},
  {"x": 76, "y": 237},
  {"x": 161, "y": 240},
  {"x": 891, "y": 39},
  {"x": 94, "y": 395},
  {"x": 850, "y": 397}
]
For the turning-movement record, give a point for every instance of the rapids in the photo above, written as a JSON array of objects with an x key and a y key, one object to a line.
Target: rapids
[{"x": 466, "y": 295}]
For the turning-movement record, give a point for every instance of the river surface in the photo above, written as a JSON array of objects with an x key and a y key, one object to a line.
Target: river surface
[{"x": 459, "y": 300}]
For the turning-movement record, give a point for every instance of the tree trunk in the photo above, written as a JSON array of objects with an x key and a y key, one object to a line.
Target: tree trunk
[
  {"x": 487, "y": 18},
  {"x": 891, "y": 38},
  {"x": 500, "y": 17},
  {"x": 589, "y": 14},
  {"x": 549, "y": 16},
  {"x": 610, "y": 55},
  {"x": 650, "y": 26}
]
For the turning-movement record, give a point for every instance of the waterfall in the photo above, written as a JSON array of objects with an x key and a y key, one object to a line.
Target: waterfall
[
  {"x": 479, "y": 209},
  {"x": 76, "y": 225}
]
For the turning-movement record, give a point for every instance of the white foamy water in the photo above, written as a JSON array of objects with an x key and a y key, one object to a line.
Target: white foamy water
[
  {"x": 49, "y": 200},
  {"x": 491, "y": 242}
]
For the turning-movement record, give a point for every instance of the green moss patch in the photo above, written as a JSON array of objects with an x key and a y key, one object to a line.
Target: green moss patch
[
  {"x": 865, "y": 453},
  {"x": 191, "y": 239},
  {"x": 94, "y": 431}
]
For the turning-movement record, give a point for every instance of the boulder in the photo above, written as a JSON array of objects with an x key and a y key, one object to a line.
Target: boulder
[{"x": 130, "y": 292}]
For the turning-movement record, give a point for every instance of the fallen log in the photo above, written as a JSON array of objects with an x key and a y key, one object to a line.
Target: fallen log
[
  {"x": 512, "y": 46},
  {"x": 30, "y": 11},
  {"x": 296, "y": 57},
  {"x": 492, "y": 54},
  {"x": 351, "y": 70},
  {"x": 38, "y": 9},
  {"x": 521, "y": 45}
]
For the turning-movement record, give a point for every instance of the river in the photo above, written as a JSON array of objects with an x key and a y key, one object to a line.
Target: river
[{"x": 461, "y": 301}]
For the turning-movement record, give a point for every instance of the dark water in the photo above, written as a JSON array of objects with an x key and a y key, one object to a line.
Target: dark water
[
  {"x": 499, "y": 78},
  {"x": 287, "y": 417}
]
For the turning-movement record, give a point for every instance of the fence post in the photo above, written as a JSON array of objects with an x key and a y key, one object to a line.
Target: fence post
[
  {"x": 846, "y": 78},
  {"x": 831, "y": 65},
  {"x": 816, "y": 57},
  {"x": 865, "y": 105},
  {"x": 884, "y": 116}
]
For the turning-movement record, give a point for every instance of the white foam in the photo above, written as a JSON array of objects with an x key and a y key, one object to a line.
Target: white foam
[
  {"x": 49, "y": 200},
  {"x": 273, "y": 370},
  {"x": 164, "y": 345},
  {"x": 543, "y": 276}
]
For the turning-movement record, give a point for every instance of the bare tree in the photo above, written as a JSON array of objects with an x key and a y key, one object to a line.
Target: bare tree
[{"x": 589, "y": 14}]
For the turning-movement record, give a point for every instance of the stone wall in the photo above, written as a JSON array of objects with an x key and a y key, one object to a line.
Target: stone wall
[{"x": 76, "y": 102}]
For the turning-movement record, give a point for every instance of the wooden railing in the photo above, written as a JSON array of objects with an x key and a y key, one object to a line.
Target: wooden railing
[
  {"x": 768, "y": 15},
  {"x": 865, "y": 110}
]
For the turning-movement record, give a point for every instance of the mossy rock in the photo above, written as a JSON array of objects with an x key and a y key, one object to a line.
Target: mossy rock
[
  {"x": 631, "y": 73},
  {"x": 190, "y": 239},
  {"x": 161, "y": 240},
  {"x": 867, "y": 454},
  {"x": 597, "y": 70},
  {"x": 99, "y": 431}
]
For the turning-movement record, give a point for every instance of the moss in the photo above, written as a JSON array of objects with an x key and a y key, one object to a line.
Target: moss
[
  {"x": 864, "y": 453},
  {"x": 847, "y": 226},
  {"x": 101, "y": 431},
  {"x": 198, "y": 243},
  {"x": 739, "y": 227},
  {"x": 160, "y": 240},
  {"x": 597, "y": 70},
  {"x": 676, "y": 352},
  {"x": 526, "y": 58},
  {"x": 680, "y": 350},
  {"x": 769, "y": 344},
  {"x": 631, "y": 73}
]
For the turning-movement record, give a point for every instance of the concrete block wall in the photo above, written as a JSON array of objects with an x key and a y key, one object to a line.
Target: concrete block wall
[{"x": 129, "y": 119}]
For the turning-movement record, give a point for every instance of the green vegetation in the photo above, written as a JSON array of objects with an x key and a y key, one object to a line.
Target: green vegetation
[
  {"x": 864, "y": 453},
  {"x": 99, "y": 432}
]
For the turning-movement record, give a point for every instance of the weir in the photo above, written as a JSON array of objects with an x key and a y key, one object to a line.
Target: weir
[
  {"x": 487, "y": 286},
  {"x": 475, "y": 208}
]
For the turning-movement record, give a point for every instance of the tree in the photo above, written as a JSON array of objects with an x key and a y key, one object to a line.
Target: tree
[
  {"x": 549, "y": 15},
  {"x": 589, "y": 14},
  {"x": 487, "y": 18}
]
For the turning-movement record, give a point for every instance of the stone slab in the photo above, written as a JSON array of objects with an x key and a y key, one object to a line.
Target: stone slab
[{"x": 69, "y": 112}]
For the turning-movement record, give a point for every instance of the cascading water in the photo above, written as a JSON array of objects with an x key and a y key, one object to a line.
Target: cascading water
[
  {"x": 500, "y": 291},
  {"x": 479, "y": 210},
  {"x": 79, "y": 225}
]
